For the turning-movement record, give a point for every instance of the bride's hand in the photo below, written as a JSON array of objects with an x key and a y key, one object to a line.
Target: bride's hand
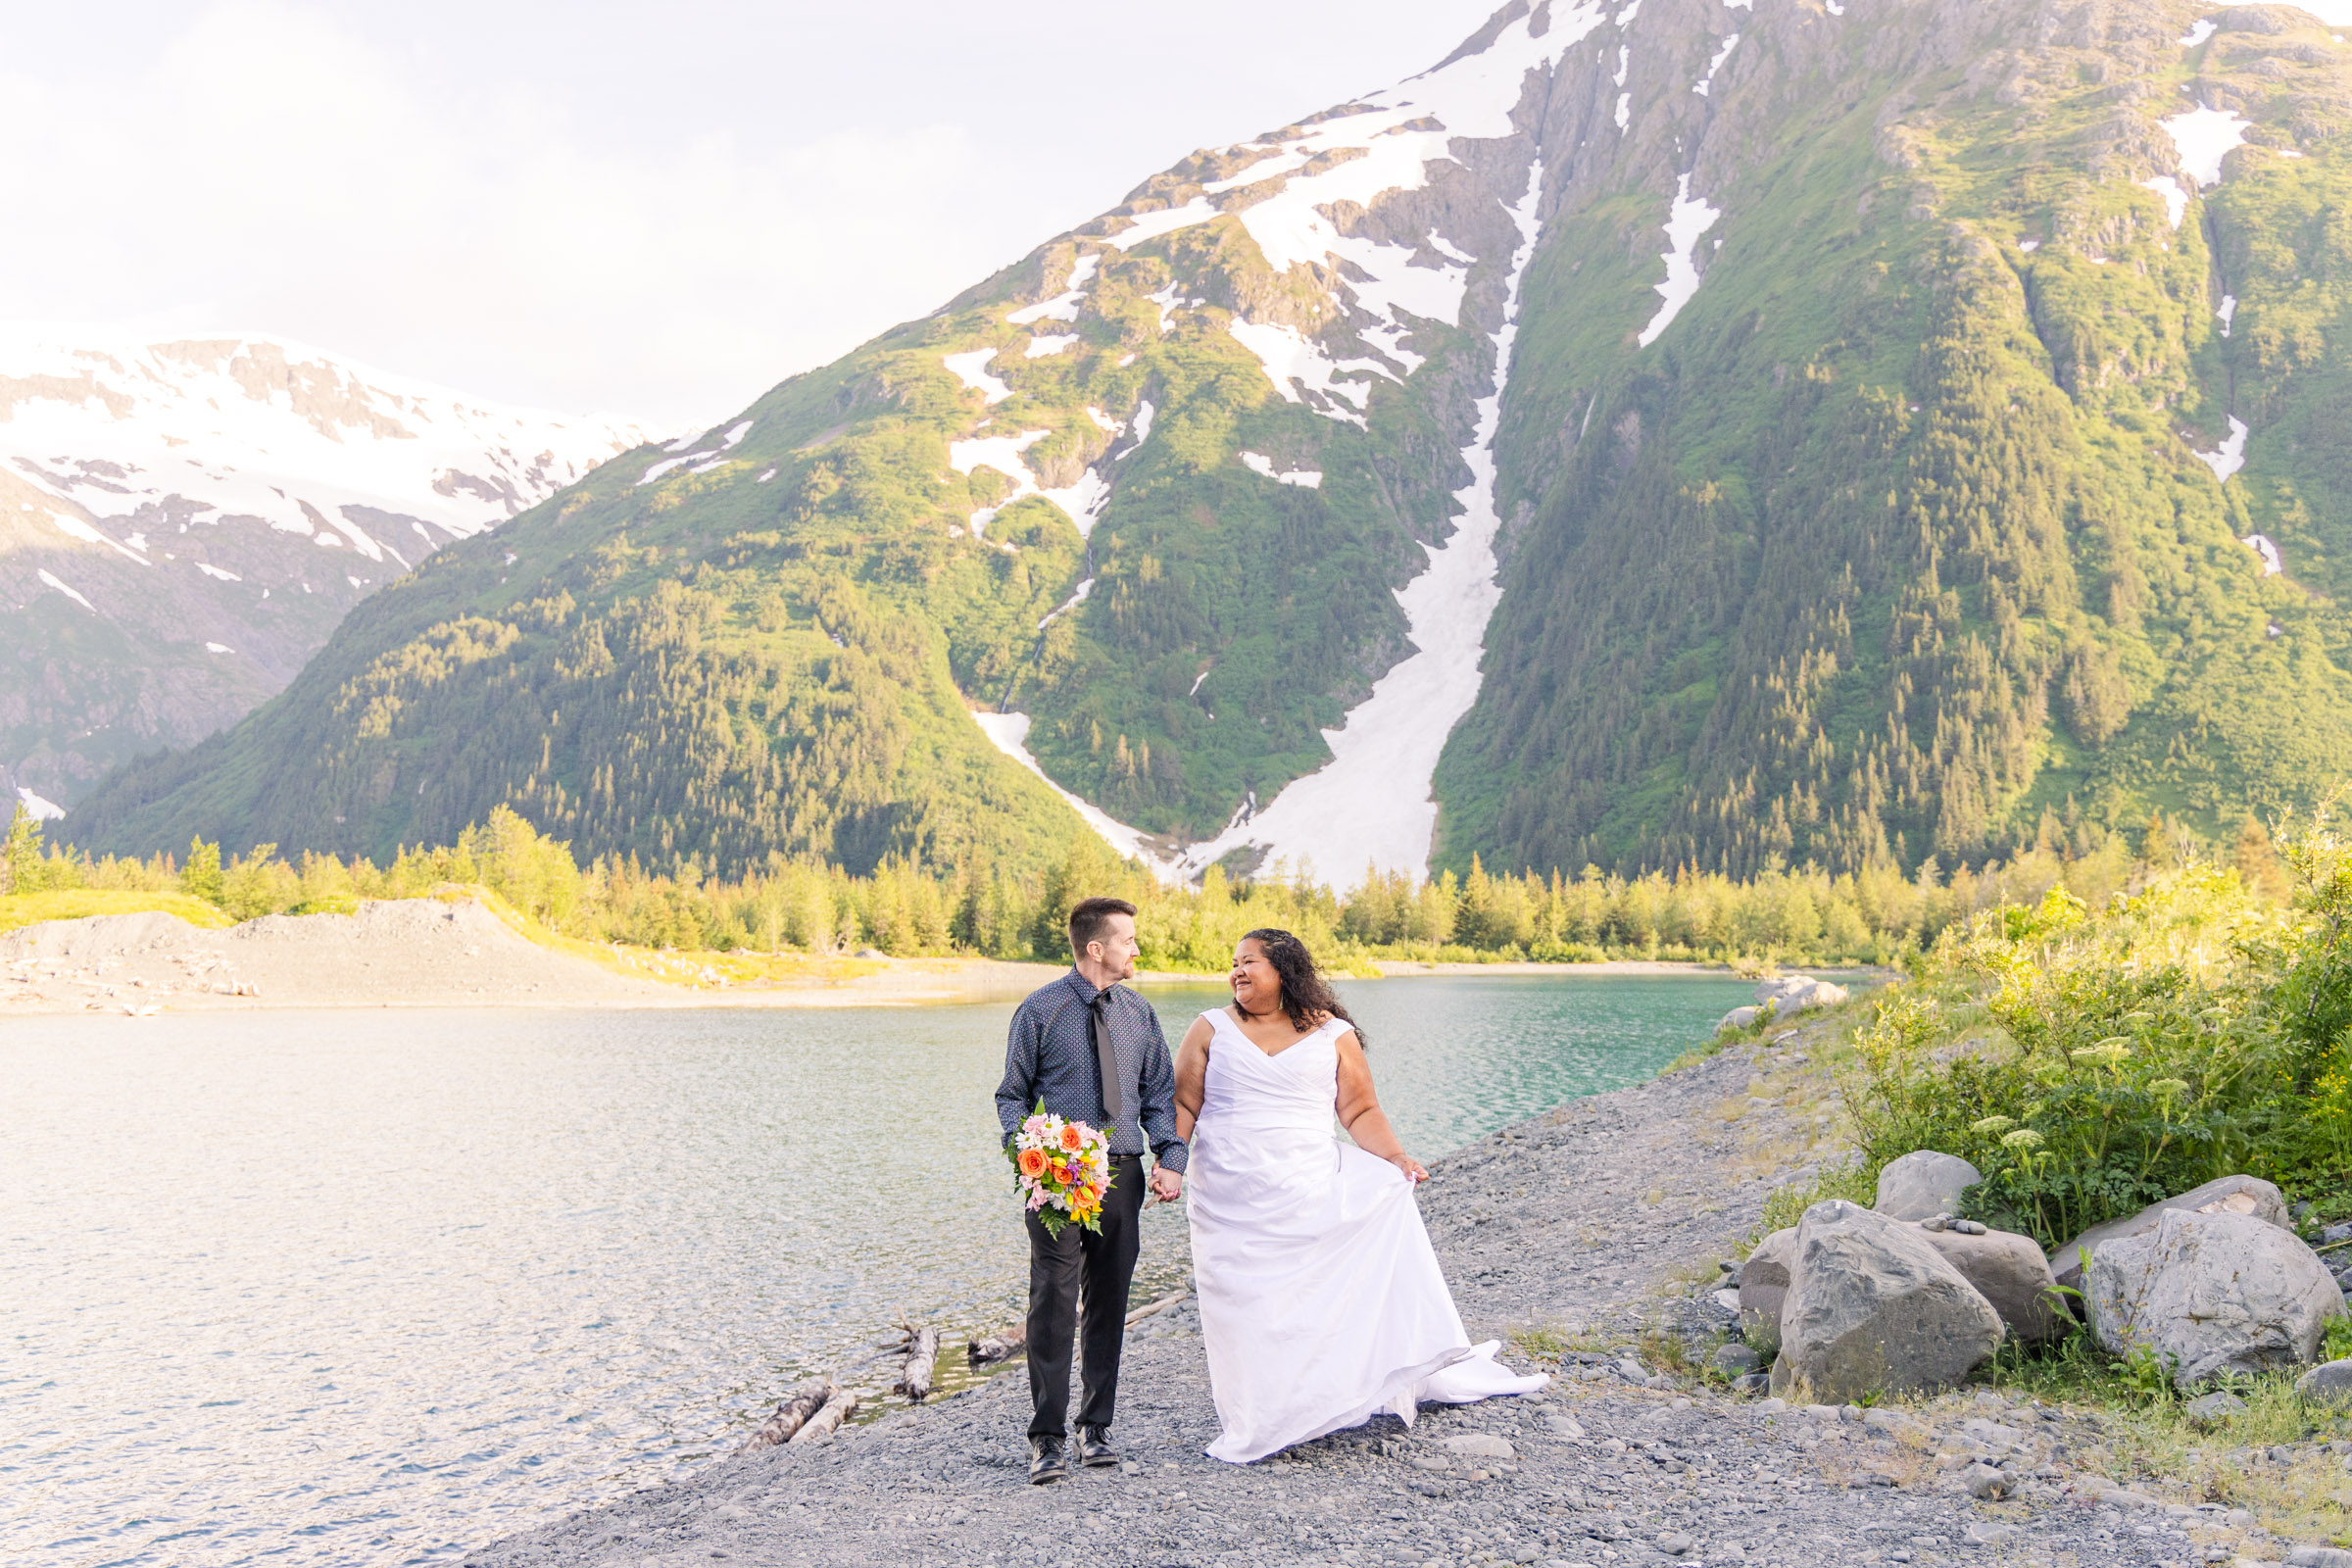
[{"x": 1413, "y": 1171}]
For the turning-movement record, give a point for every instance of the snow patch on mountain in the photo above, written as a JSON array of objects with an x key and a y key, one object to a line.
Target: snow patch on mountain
[
  {"x": 2198, "y": 31},
  {"x": 2204, "y": 137},
  {"x": 2228, "y": 311},
  {"x": 2232, "y": 454},
  {"x": 1686, "y": 220},
  {"x": 1009, "y": 734},
  {"x": 1259, "y": 462},
  {"x": 1715, "y": 65},
  {"x": 50, "y": 577},
  {"x": 1078, "y": 596},
  {"x": 1063, "y": 307},
  {"x": 2176, "y": 200},
  {"x": 971, "y": 369},
  {"x": 1001, "y": 452},
  {"x": 2262, "y": 545},
  {"x": 1372, "y": 804}
]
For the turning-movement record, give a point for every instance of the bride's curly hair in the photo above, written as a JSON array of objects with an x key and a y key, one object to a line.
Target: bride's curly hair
[{"x": 1306, "y": 995}]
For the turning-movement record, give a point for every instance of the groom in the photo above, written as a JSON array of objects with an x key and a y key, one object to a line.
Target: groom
[{"x": 1093, "y": 1050}]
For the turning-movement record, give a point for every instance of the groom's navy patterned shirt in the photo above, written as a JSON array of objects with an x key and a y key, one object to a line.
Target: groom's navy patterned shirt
[{"x": 1051, "y": 1056}]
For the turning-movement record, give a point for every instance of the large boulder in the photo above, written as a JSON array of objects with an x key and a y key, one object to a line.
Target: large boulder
[
  {"x": 2216, "y": 1292},
  {"x": 2009, "y": 1271},
  {"x": 2224, "y": 1195},
  {"x": 1790, "y": 993},
  {"x": 1872, "y": 1307},
  {"x": 1763, "y": 1284},
  {"x": 1924, "y": 1184}
]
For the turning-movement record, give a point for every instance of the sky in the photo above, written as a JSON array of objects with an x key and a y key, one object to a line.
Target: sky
[{"x": 658, "y": 211}]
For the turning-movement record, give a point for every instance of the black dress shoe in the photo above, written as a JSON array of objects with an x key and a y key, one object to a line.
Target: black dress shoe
[
  {"x": 1093, "y": 1447},
  {"x": 1047, "y": 1462}
]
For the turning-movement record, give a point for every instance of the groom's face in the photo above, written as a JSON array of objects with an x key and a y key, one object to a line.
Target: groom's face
[{"x": 1115, "y": 949}]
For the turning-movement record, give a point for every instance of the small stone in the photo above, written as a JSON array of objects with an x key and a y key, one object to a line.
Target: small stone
[
  {"x": 1988, "y": 1533},
  {"x": 2209, "y": 1409},
  {"x": 1479, "y": 1445},
  {"x": 1774, "y": 1406},
  {"x": 1674, "y": 1543},
  {"x": 2328, "y": 1383},
  {"x": 1756, "y": 1383},
  {"x": 2318, "y": 1557},
  {"x": 1986, "y": 1483},
  {"x": 1735, "y": 1360}
]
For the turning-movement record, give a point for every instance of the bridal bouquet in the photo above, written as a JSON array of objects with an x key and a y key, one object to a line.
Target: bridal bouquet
[{"x": 1064, "y": 1170}]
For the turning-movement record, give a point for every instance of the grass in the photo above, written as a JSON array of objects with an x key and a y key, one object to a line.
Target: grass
[{"x": 19, "y": 910}]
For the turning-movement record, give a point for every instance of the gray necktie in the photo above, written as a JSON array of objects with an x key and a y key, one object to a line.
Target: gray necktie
[{"x": 1108, "y": 1057}]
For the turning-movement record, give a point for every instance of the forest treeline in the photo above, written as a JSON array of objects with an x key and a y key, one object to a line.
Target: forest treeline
[{"x": 1804, "y": 915}]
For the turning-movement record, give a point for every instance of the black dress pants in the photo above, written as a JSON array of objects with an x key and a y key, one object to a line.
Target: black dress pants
[{"x": 1081, "y": 1266}]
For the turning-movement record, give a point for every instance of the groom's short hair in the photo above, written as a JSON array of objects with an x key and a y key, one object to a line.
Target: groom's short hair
[{"x": 1090, "y": 919}]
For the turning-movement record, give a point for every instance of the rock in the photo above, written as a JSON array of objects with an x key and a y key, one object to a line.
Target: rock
[
  {"x": 1738, "y": 1018},
  {"x": 1872, "y": 1307},
  {"x": 1988, "y": 1533},
  {"x": 1924, "y": 1184},
  {"x": 1733, "y": 1360},
  {"x": 1987, "y": 1482},
  {"x": 2009, "y": 1271},
  {"x": 2328, "y": 1383},
  {"x": 1790, "y": 993},
  {"x": 2335, "y": 1235},
  {"x": 2209, "y": 1409},
  {"x": 1763, "y": 1286},
  {"x": 1753, "y": 1383},
  {"x": 2217, "y": 1292},
  {"x": 1674, "y": 1543},
  {"x": 1479, "y": 1445},
  {"x": 1563, "y": 1425},
  {"x": 2220, "y": 1196},
  {"x": 2318, "y": 1557}
]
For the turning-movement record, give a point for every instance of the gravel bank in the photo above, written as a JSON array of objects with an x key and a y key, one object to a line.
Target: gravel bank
[
  {"x": 426, "y": 953},
  {"x": 1603, "y": 1223}
]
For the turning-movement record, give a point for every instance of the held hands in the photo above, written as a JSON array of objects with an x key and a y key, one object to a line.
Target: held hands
[
  {"x": 1412, "y": 1169},
  {"x": 1167, "y": 1185}
]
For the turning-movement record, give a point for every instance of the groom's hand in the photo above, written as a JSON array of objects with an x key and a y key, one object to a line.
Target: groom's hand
[{"x": 1167, "y": 1185}]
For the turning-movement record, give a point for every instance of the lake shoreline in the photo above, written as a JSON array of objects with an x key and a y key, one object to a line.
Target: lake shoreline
[
  {"x": 1588, "y": 1237},
  {"x": 431, "y": 952}
]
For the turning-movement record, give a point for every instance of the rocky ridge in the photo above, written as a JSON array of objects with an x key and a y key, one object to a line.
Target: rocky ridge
[{"x": 183, "y": 522}]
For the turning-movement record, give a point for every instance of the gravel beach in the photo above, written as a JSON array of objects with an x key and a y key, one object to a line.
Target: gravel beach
[{"x": 1588, "y": 1234}]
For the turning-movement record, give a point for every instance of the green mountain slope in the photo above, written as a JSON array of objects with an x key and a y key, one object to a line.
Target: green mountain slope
[
  {"x": 1877, "y": 529},
  {"x": 1898, "y": 542}
]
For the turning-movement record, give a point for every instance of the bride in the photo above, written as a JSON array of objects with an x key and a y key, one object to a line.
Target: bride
[{"x": 1321, "y": 1303}]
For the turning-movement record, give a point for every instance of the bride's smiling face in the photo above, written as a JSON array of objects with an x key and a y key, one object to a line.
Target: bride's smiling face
[{"x": 1256, "y": 987}]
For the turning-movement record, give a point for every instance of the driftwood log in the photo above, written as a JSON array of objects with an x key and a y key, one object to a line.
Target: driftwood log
[
  {"x": 1160, "y": 1305},
  {"x": 793, "y": 1414},
  {"x": 1002, "y": 1346},
  {"x": 921, "y": 1350},
  {"x": 821, "y": 1427}
]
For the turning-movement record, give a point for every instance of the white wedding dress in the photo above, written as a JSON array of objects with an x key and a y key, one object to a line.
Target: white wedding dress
[{"x": 1321, "y": 1301}]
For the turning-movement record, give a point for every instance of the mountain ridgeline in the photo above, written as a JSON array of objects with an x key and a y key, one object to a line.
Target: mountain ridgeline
[{"x": 1665, "y": 433}]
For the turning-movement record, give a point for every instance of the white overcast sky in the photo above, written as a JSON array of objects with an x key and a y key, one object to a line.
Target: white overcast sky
[{"x": 653, "y": 209}]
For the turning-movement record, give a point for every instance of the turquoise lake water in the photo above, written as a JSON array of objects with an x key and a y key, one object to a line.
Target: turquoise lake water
[{"x": 379, "y": 1287}]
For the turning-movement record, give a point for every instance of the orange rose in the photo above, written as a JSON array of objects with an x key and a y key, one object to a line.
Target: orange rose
[
  {"x": 1033, "y": 1163},
  {"x": 1072, "y": 1139}
]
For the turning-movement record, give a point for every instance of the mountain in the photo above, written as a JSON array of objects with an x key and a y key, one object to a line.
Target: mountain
[
  {"x": 182, "y": 523},
  {"x": 1666, "y": 431}
]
